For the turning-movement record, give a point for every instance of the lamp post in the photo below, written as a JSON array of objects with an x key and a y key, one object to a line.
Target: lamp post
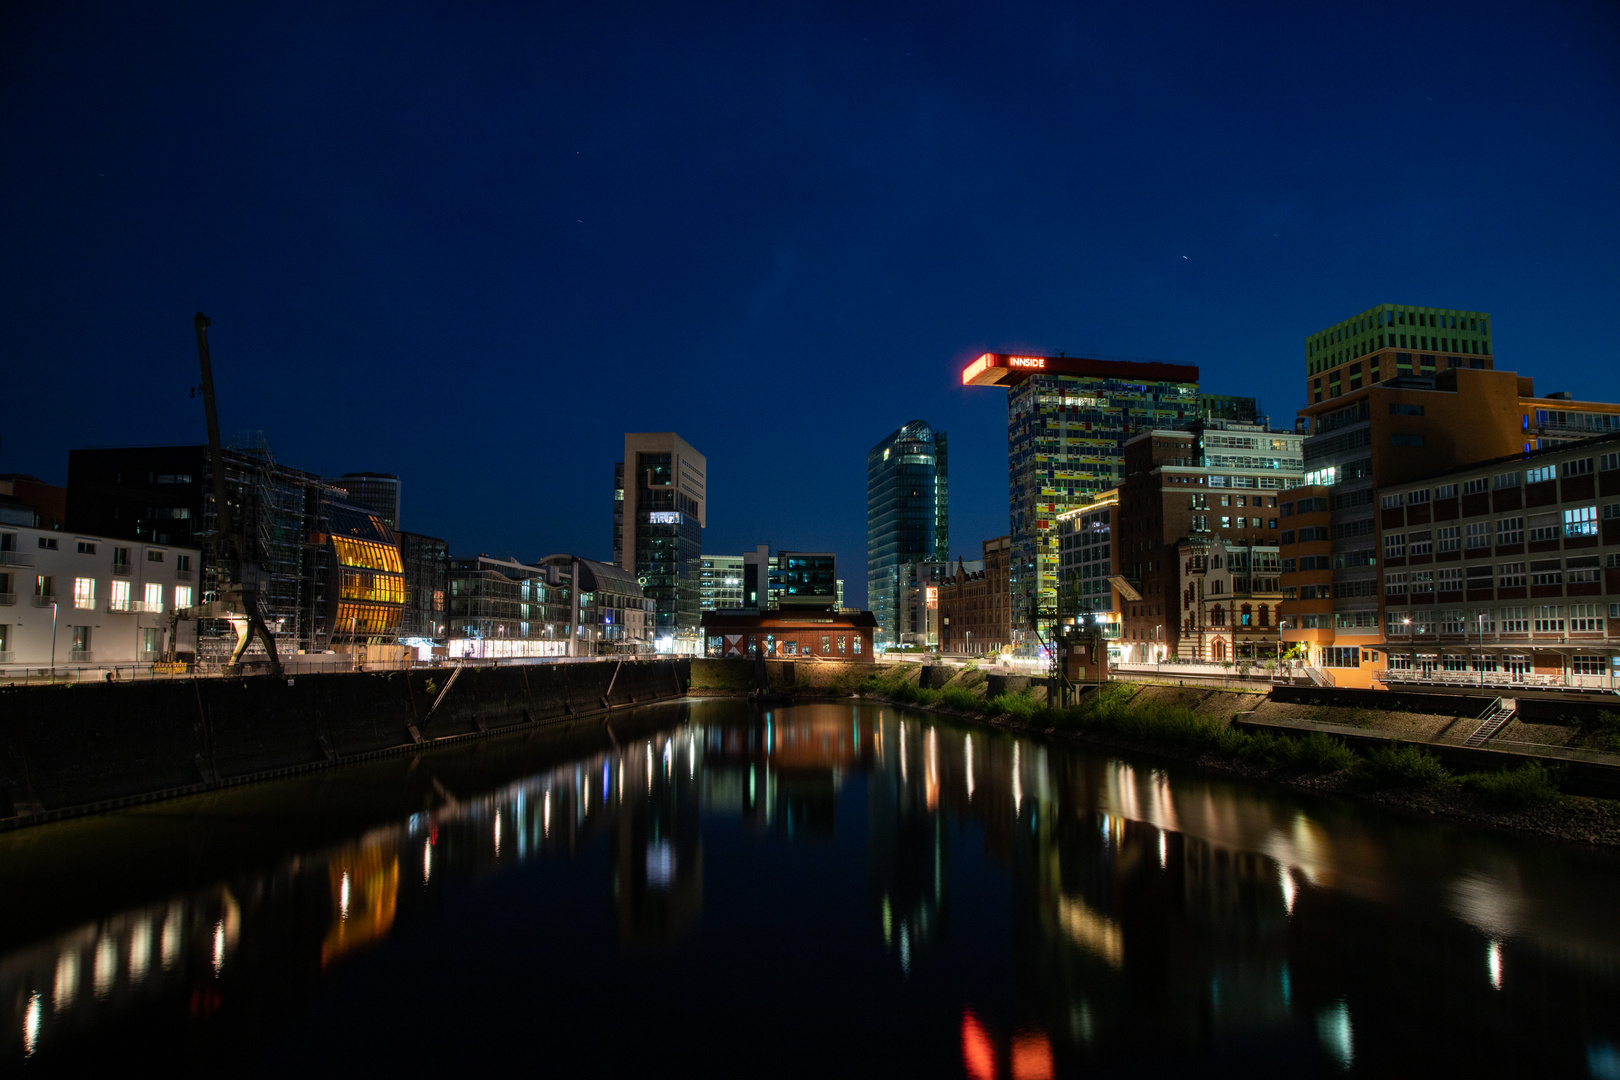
[{"x": 53, "y": 639}]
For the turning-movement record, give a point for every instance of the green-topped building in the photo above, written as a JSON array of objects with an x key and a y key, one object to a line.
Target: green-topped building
[{"x": 1392, "y": 340}]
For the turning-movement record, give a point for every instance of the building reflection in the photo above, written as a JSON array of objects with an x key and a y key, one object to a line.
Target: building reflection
[{"x": 1149, "y": 911}]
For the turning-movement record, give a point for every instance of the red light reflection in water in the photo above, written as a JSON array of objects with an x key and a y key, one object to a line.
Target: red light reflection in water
[{"x": 978, "y": 1055}]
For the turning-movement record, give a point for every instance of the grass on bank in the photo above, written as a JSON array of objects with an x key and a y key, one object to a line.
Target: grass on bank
[{"x": 1113, "y": 710}]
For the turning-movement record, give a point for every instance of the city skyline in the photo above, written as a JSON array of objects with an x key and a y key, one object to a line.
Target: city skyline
[{"x": 395, "y": 249}]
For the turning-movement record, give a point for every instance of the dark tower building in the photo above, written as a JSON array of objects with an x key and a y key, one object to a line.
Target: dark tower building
[{"x": 906, "y": 512}]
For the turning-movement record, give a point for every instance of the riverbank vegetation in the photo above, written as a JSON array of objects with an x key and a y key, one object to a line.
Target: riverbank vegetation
[{"x": 1114, "y": 713}]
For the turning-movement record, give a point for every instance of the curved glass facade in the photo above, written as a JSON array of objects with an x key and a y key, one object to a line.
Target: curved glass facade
[{"x": 906, "y": 515}]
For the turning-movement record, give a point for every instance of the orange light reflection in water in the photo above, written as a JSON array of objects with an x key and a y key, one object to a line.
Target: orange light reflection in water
[{"x": 1032, "y": 1056}]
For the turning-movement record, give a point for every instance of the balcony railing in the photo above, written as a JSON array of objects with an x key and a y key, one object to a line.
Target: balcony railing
[
  {"x": 7, "y": 599},
  {"x": 77, "y": 656},
  {"x": 9, "y": 557},
  {"x": 182, "y": 575},
  {"x": 121, "y": 569},
  {"x": 7, "y": 657},
  {"x": 45, "y": 600},
  {"x": 132, "y": 607}
]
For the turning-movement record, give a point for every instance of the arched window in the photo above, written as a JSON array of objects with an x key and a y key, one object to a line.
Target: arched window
[
  {"x": 1217, "y": 616},
  {"x": 1218, "y": 650},
  {"x": 1265, "y": 615}
]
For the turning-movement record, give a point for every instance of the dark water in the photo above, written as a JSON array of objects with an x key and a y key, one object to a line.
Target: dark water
[{"x": 818, "y": 890}]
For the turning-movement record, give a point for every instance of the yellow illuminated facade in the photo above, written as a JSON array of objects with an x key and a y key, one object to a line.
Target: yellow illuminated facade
[{"x": 369, "y": 574}]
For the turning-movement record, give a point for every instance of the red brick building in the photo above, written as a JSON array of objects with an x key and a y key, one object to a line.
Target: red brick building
[
  {"x": 975, "y": 608},
  {"x": 784, "y": 635}
]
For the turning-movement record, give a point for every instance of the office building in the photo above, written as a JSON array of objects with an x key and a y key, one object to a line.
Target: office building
[
  {"x": 610, "y": 613},
  {"x": 720, "y": 582},
  {"x": 1391, "y": 341},
  {"x": 1087, "y": 564},
  {"x": 659, "y": 511},
  {"x": 502, "y": 609},
  {"x": 907, "y": 517},
  {"x": 375, "y": 491},
  {"x": 975, "y": 615},
  {"x": 426, "y": 561},
  {"x": 1068, "y": 420},
  {"x": 1379, "y": 437},
  {"x": 1215, "y": 482},
  {"x": 73, "y": 599},
  {"x": 809, "y": 580},
  {"x": 332, "y": 576},
  {"x": 1505, "y": 572}
]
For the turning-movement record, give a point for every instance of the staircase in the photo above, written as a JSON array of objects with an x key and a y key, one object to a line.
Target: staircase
[
  {"x": 1494, "y": 719},
  {"x": 1319, "y": 677}
]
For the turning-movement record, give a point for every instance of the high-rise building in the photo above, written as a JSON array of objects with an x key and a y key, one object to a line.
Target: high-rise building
[
  {"x": 1392, "y": 340},
  {"x": 659, "y": 511},
  {"x": 1379, "y": 437},
  {"x": 907, "y": 503},
  {"x": 1068, "y": 419},
  {"x": 373, "y": 490}
]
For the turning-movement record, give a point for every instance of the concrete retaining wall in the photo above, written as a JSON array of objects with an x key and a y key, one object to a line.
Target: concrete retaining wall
[
  {"x": 74, "y": 746},
  {"x": 1535, "y": 710}
]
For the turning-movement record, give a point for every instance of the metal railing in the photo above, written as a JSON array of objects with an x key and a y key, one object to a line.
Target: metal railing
[
  {"x": 45, "y": 600},
  {"x": 182, "y": 575},
  {"x": 121, "y": 569},
  {"x": 12, "y": 557},
  {"x": 132, "y": 607},
  {"x": 7, "y": 599}
]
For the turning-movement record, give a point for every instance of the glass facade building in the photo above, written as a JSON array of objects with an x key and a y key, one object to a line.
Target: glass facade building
[
  {"x": 1068, "y": 419},
  {"x": 907, "y": 502}
]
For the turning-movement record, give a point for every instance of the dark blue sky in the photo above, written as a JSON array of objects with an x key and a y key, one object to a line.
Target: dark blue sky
[{"x": 475, "y": 243}]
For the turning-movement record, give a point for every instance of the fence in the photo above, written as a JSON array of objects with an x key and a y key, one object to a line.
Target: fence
[{"x": 16, "y": 675}]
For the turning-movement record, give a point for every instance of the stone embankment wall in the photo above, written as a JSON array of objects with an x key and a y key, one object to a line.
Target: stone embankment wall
[{"x": 65, "y": 749}]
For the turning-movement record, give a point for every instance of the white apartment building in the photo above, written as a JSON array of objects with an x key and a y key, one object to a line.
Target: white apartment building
[{"x": 90, "y": 600}]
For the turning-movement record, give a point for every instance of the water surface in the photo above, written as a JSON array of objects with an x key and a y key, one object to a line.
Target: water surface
[{"x": 812, "y": 890}]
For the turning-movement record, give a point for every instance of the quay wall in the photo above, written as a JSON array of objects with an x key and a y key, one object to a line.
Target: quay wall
[{"x": 75, "y": 747}]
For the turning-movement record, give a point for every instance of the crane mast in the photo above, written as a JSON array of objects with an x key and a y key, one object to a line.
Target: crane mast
[{"x": 238, "y": 601}]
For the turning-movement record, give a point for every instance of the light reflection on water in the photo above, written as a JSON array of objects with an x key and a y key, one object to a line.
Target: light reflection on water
[{"x": 1142, "y": 909}]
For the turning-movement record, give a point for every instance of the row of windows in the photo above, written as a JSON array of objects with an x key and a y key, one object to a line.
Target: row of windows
[
  {"x": 120, "y": 594},
  {"x": 1539, "y": 619},
  {"x": 1511, "y": 575}
]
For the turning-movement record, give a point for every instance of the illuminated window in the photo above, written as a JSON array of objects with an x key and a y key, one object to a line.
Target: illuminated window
[
  {"x": 84, "y": 592},
  {"x": 118, "y": 598},
  {"x": 182, "y": 596},
  {"x": 154, "y": 596}
]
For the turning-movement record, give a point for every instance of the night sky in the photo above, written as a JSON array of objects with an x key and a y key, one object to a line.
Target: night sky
[{"x": 475, "y": 243}]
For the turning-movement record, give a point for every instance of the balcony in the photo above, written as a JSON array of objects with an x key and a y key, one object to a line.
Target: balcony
[
  {"x": 121, "y": 569},
  {"x": 8, "y": 599},
  {"x": 78, "y": 657},
  {"x": 44, "y": 601},
  {"x": 182, "y": 575},
  {"x": 8, "y": 557},
  {"x": 8, "y": 657},
  {"x": 131, "y": 607}
]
